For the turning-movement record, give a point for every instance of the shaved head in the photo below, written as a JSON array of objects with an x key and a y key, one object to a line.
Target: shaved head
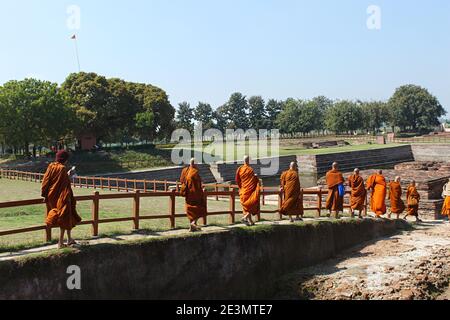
[
  {"x": 335, "y": 165},
  {"x": 397, "y": 179},
  {"x": 293, "y": 165},
  {"x": 247, "y": 159},
  {"x": 356, "y": 171},
  {"x": 380, "y": 171},
  {"x": 192, "y": 162}
]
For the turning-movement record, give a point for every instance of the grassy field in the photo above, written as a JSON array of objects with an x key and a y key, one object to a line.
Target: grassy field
[
  {"x": 12, "y": 218},
  {"x": 237, "y": 152}
]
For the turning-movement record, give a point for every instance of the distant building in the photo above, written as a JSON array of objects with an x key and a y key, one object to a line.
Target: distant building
[{"x": 87, "y": 141}]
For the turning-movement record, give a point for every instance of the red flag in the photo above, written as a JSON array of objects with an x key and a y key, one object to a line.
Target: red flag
[{"x": 74, "y": 37}]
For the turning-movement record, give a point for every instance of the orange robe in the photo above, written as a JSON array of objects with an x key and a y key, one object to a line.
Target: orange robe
[
  {"x": 334, "y": 201},
  {"x": 446, "y": 207},
  {"x": 249, "y": 190},
  {"x": 413, "y": 201},
  {"x": 377, "y": 183},
  {"x": 395, "y": 196},
  {"x": 192, "y": 191},
  {"x": 61, "y": 204},
  {"x": 293, "y": 202},
  {"x": 358, "y": 196}
]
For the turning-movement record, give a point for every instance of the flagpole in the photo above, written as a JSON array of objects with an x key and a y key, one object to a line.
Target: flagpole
[{"x": 76, "y": 52}]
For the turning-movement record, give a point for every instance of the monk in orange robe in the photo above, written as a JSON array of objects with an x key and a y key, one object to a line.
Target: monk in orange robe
[
  {"x": 395, "y": 196},
  {"x": 249, "y": 191},
  {"x": 358, "y": 195},
  {"x": 377, "y": 183},
  {"x": 413, "y": 199},
  {"x": 192, "y": 191},
  {"x": 58, "y": 195},
  {"x": 293, "y": 199},
  {"x": 446, "y": 196},
  {"x": 335, "y": 203}
]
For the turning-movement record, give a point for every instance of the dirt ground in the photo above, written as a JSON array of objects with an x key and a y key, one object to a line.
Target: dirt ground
[{"x": 412, "y": 265}]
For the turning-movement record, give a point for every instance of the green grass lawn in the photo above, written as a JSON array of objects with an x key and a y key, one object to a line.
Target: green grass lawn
[
  {"x": 223, "y": 153},
  {"x": 12, "y": 218}
]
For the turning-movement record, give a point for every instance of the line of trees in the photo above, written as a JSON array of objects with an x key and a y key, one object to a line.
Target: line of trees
[
  {"x": 40, "y": 113},
  {"x": 411, "y": 109}
]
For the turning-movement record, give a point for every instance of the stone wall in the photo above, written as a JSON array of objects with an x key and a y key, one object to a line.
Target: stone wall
[
  {"x": 217, "y": 265},
  {"x": 367, "y": 159},
  {"x": 431, "y": 152},
  {"x": 170, "y": 174}
]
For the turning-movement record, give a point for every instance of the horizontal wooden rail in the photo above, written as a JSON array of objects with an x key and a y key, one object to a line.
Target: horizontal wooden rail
[{"x": 229, "y": 192}]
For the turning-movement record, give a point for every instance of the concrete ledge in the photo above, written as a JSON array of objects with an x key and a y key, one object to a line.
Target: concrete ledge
[{"x": 239, "y": 263}]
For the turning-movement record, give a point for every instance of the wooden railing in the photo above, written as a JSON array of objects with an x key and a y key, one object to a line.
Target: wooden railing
[{"x": 229, "y": 192}]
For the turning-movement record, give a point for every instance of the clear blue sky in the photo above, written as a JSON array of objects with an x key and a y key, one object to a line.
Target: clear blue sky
[{"x": 204, "y": 50}]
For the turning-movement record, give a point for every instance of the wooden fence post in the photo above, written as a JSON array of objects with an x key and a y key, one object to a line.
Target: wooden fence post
[
  {"x": 136, "y": 209},
  {"x": 48, "y": 230},
  {"x": 205, "y": 218},
  {"x": 319, "y": 204},
  {"x": 126, "y": 184},
  {"x": 263, "y": 196},
  {"x": 109, "y": 183},
  {"x": 280, "y": 204},
  {"x": 216, "y": 189},
  {"x": 232, "y": 206},
  {"x": 145, "y": 186},
  {"x": 95, "y": 210},
  {"x": 172, "y": 209},
  {"x": 165, "y": 186}
]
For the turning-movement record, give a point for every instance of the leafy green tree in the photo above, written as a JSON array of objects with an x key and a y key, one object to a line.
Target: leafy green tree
[
  {"x": 152, "y": 104},
  {"x": 204, "y": 114},
  {"x": 414, "y": 108},
  {"x": 375, "y": 114},
  {"x": 235, "y": 112},
  {"x": 33, "y": 112},
  {"x": 297, "y": 116},
  {"x": 322, "y": 104},
  {"x": 344, "y": 117},
  {"x": 257, "y": 113},
  {"x": 89, "y": 94},
  {"x": 185, "y": 115},
  {"x": 273, "y": 109},
  {"x": 220, "y": 119}
]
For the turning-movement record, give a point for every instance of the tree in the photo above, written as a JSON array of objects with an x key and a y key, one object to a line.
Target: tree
[
  {"x": 414, "y": 108},
  {"x": 153, "y": 100},
  {"x": 89, "y": 95},
  {"x": 33, "y": 112},
  {"x": 121, "y": 109},
  {"x": 297, "y": 116},
  {"x": 344, "y": 117},
  {"x": 273, "y": 109},
  {"x": 235, "y": 112},
  {"x": 257, "y": 113},
  {"x": 375, "y": 114},
  {"x": 185, "y": 115},
  {"x": 322, "y": 104},
  {"x": 220, "y": 119},
  {"x": 204, "y": 114}
]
